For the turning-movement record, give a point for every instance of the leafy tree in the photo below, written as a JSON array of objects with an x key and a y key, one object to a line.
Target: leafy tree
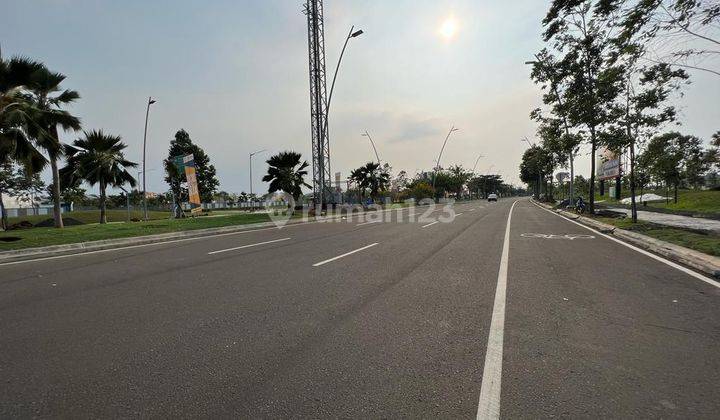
[
  {"x": 557, "y": 132},
  {"x": 419, "y": 189},
  {"x": 536, "y": 167},
  {"x": 27, "y": 185},
  {"x": 641, "y": 108},
  {"x": 458, "y": 178},
  {"x": 713, "y": 152},
  {"x": 287, "y": 172},
  {"x": 401, "y": 180},
  {"x": 98, "y": 158},
  {"x": 48, "y": 97},
  {"x": 486, "y": 184},
  {"x": 674, "y": 156},
  {"x": 206, "y": 174},
  {"x": 72, "y": 194},
  {"x": 695, "y": 161},
  {"x": 444, "y": 183},
  {"x": 579, "y": 30},
  {"x": 373, "y": 177}
]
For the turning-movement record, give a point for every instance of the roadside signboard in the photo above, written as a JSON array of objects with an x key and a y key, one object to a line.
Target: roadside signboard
[
  {"x": 608, "y": 165},
  {"x": 193, "y": 191}
]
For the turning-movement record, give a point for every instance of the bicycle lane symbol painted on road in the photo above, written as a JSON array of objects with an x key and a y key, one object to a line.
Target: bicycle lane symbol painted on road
[{"x": 569, "y": 236}]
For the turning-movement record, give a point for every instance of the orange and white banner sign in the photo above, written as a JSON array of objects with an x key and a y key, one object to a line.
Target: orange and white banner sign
[{"x": 193, "y": 191}]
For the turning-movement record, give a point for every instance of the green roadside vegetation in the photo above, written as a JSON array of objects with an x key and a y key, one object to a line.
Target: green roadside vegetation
[
  {"x": 46, "y": 236},
  {"x": 707, "y": 243},
  {"x": 695, "y": 201},
  {"x": 92, "y": 216}
]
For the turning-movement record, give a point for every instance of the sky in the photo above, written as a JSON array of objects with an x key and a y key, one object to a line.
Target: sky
[{"x": 234, "y": 74}]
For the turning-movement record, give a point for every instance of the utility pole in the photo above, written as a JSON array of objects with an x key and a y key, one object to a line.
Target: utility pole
[
  {"x": 319, "y": 101},
  {"x": 147, "y": 115}
]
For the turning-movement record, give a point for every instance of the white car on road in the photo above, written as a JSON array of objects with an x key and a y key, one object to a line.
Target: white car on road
[{"x": 492, "y": 197}]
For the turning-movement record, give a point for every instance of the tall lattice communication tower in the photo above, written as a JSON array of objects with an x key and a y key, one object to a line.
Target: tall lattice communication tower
[{"x": 318, "y": 103}]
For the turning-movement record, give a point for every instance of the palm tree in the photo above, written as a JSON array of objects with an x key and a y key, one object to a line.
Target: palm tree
[
  {"x": 47, "y": 96},
  {"x": 371, "y": 176},
  {"x": 16, "y": 113},
  {"x": 287, "y": 173},
  {"x": 98, "y": 158}
]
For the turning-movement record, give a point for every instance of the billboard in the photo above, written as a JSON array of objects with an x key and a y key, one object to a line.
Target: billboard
[
  {"x": 193, "y": 192},
  {"x": 608, "y": 165}
]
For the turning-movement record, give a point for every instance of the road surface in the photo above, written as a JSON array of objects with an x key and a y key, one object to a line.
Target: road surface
[{"x": 487, "y": 315}]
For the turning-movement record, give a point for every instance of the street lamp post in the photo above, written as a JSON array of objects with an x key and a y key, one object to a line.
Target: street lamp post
[
  {"x": 366, "y": 134},
  {"x": 452, "y": 130},
  {"x": 352, "y": 34},
  {"x": 251, "y": 178},
  {"x": 147, "y": 115},
  {"x": 476, "y": 162}
]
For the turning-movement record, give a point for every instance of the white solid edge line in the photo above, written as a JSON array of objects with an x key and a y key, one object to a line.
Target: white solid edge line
[
  {"x": 489, "y": 403},
  {"x": 642, "y": 251},
  {"x": 429, "y": 224},
  {"x": 459, "y": 214},
  {"x": 248, "y": 246},
  {"x": 369, "y": 223},
  {"x": 344, "y": 255}
]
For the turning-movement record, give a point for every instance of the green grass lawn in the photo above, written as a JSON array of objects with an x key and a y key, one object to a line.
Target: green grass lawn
[
  {"x": 688, "y": 200},
  {"x": 706, "y": 243},
  {"x": 696, "y": 201},
  {"x": 35, "y": 237},
  {"x": 93, "y": 216}
]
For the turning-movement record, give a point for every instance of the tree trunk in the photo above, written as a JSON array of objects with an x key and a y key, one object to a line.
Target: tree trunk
[
  {"x": 103, "y": 216},
  {"x": 633, "y": 202},
  {"x": 676, "y": 193},
  {"x": 591, "y": 200},
  {"x": 572, "y": 180},
  {"x": 3, "y": 214},
  {"x": 57, "y": 212}
]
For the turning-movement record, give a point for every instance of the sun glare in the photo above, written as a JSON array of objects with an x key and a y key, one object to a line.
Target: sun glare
[{"x": 449, "y": 28}]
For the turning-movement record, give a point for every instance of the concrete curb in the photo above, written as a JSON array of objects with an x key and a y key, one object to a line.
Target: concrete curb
[
  {"x": 83, "y": 247},
  {"x": 707, "y": 264}
]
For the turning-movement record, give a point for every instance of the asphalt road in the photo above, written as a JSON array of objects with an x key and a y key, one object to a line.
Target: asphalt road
[{"x": 355, "y": 319}]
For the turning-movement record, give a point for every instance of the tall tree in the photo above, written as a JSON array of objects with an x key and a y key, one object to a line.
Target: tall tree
[
  {"x": 17, "y": 113},
  {"x": 287, "y": 172},
  {"x": 556, "y": 131},
  {"x": 48, "y": 97},
  {"x": 642, "y": 106},
  {"x": 206, "y": 174},
  {"x": 579, "y": 30},
  {"x": 98, "y": 158},
  {"x": 536, "y": 166},
  {"x": 458, "y": 178}
]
